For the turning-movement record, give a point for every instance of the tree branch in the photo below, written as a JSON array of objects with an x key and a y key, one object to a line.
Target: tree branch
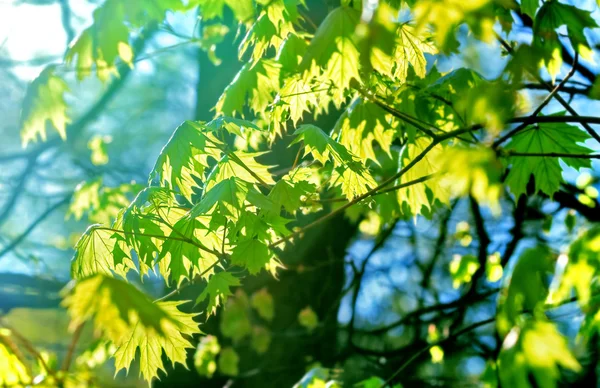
[{"x": 14, "y": 243}]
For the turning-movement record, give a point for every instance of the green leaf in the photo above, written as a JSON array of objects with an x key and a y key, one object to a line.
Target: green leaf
[
  {"x": 462, "y": 269},
  {"x": 115, "y": 306},
  {"x": 271, "y": 28},
  {"x": 85, "y": 198},
  {"x": 236, "y": 164},
  {"x": 472, "y": 171},
  {"x": 254, "y": 85},
  {"x": 321, "y": 146},
  {"x": 143, "y": 228},
  {"x": 479, "y": 15},
  {"x": 185, "y": 157},
  {"x": 376, "y": 36},
  {"x": 217, "y": 290},
  {"x": 101, "y": 204},
  {"x": 206, "y": 356},
  {"x": 308, "y": 318},
  {"x": 97, "y": 145},
  {"x": 152, "y": 345},
  {"x": 107, "y": 39},
  {"x": 262, "y": 302},
  {"x": 333, "y": 55},
  {"x": 252, "y": 254},
  {"x": 553, "y": 15},
  {"x": 243, "y": 10},
  {"x": 418, "y": 196},
  {"x": 527, "y": 290},
  {"x": 235, "y": 319},
  {"x": 530, "y": 7},
  {"x": 94, "y": 254},
  {"x": 228, "y": 362},
  {"x": 536, "y": 349},
  {"x": 261, "y": 339},
  {"x": 410, "y": 49},
  {"x": 363, "y": 124},
  {"x": 581, "y": 266},
  {"x": 289, "y": 194},
  {"x": 44, "y": 101},
  {"x": 291, "y": 52},
  {"x": 353, "y": 176},
  {"x": 228, "y": 196},
  {"x": 12, "y": 370},
  {"x": 544, "y": 138},
  {"x": 182, "y": 256}
]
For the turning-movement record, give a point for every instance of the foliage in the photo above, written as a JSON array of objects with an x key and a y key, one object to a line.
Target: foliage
[{"x": 407, "y": 142}]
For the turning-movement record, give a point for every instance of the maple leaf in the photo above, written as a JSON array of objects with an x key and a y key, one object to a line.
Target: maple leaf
[
  {"x": 410, "y": 49},
  {"x": 544, "y": 138},
  {"x": 416, "y": 196},
  {"x": 255, "y": 84},
  {"x": 271, "y": 28},
  {"x": 107, "y": 39},
  {"x": 237, "y": 164},
  {"x": 44, "y": 101},
  {"x": 252, "y": 254},
  {"x": 333, "y": 53},
  {"x": 289, "y": 194},
  {"x": 152, "y": 345},
  {"x": 94, "y": 253},
  {"x": 363, "y": 123},
  {"x": 228, "y": 195},
  {"x": 243, "y": 10},
  {"x": 217, "y": 290},
  {"x": 185, "y": 156},
  {"x": 114, "y": 304}
]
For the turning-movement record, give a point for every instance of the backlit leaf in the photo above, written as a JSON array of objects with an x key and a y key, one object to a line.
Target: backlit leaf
[{"x": 44, "y": 102}]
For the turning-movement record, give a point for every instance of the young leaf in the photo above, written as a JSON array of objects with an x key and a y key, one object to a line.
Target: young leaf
[
  {"x": 255, "y": 84},
  {"x": 185, "y": 157},
  {"x": 108, "y": 38},
  {"x": 333, "y": 54},
  {"x": 416, "y": 196},
  {"x": 272, "y": 26},
  {"x": 44, "y": 101},
  {"x": 227, "y": 196},
  {"x": 243, "y": 10},
  {"x": 152, "y": 345},
  {"x": 115, "y": 306},
  {"x": 94, "y": 253},
  {"x": 410, "y": 49},
  {"x": 363, "y": 124},
  {"x": 252, "y": 254},
  {"x": 217, "y": 290}
]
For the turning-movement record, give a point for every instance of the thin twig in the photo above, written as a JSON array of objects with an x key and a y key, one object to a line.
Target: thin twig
[
  {"x": 539, "y": 108},
  {"x": 71, "y": 351}
]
